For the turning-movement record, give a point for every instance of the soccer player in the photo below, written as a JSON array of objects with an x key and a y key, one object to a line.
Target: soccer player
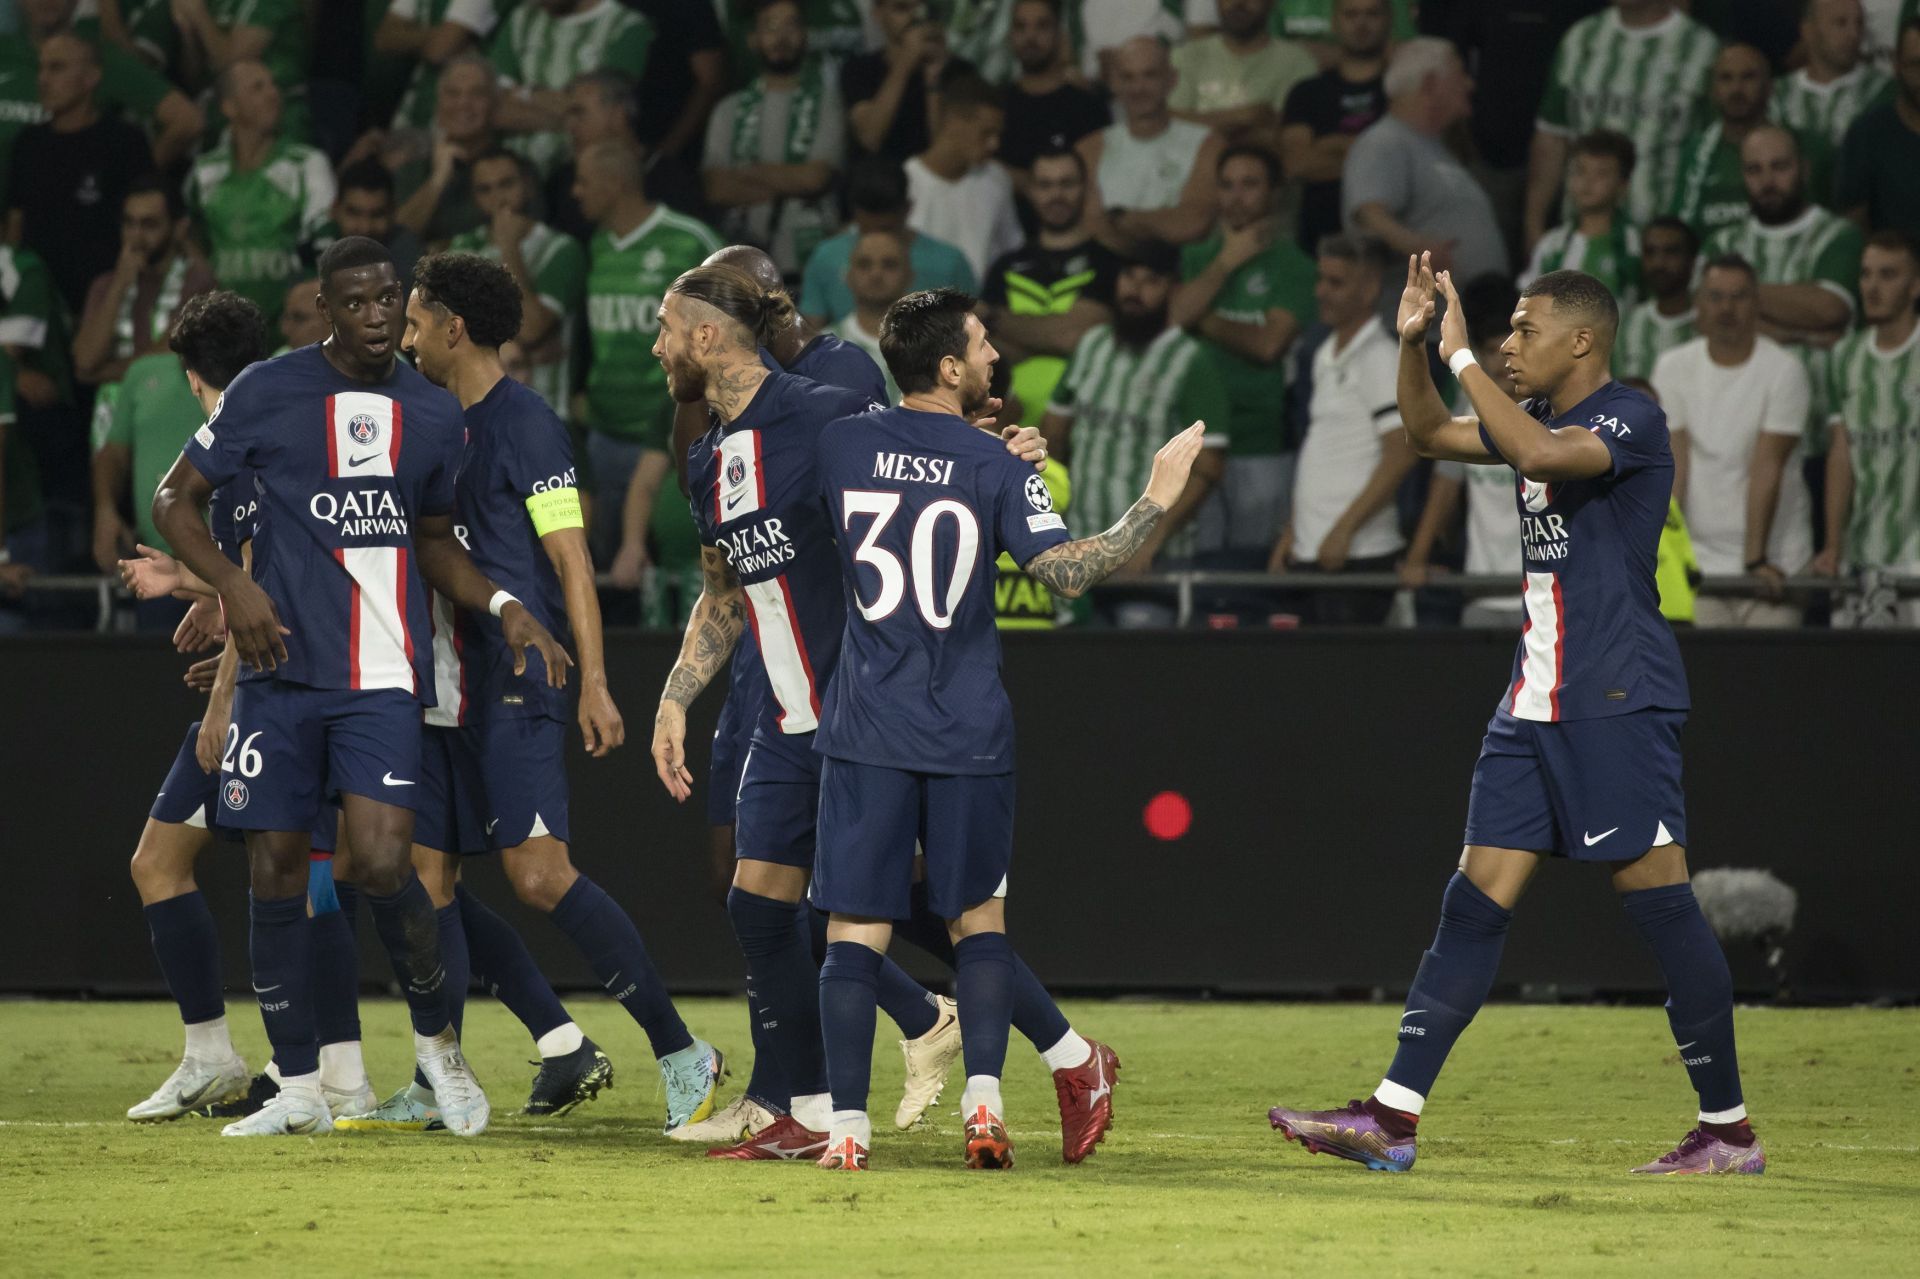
[
  {"x": 916, "y": 730},
  {"x": 493, "y": 770},
  {"x": 354, "y": 459},
  {"x": 1582, "y": 757}
]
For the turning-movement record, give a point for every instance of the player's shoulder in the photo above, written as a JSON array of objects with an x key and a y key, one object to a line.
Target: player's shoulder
[
  {"x": 425, "y": 404},
  {"x": 826, "y": 397},
  {"x": 680, "y": 228},
  {"x": 278, "y": 375},
  {"x": 1619, "y": 407}
]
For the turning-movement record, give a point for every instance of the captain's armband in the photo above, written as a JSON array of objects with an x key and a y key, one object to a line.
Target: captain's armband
[{"x": 553, "y": 509}]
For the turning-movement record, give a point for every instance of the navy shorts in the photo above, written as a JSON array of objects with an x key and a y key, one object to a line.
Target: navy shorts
[
  {"x": 190, "y": 797},
  {"x": 450, "y": 799},
  {"x": 778, "y": 808},
  {"x": 1592, "y": 789},
  {"x": 731, "y": 739},
  {"x": 493, "y": 785},
  {"x": 295, "y": 746},
  {"x": 873, "y": 820}
]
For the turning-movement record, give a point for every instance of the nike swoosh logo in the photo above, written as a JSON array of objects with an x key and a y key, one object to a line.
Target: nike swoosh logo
[
  {"x": 1690, "y": 1043},
  {"x": 1594, "y": 839},
  {"x": 492, "y": 824},
  {"x": 1412, "y": 1012},
  {"x": 736, "y": 500},
  {"x": 391, "y": 780},
  {"x": 263, "y": 990},
  {"x": 358, "y": 461}
]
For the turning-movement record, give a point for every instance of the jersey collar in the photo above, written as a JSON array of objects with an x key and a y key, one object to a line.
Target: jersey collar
[{"x": 638, "y": 233}]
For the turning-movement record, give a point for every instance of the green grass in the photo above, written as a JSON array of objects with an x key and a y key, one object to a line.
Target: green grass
[{"x": 1522, "y": 1160}]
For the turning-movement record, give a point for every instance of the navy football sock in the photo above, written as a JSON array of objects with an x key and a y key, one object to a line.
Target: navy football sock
[
  {"x": 280, "y": 945},
  {"x": 408, "y": 929},
  {"x": 348, "y": 895},
  {"x": 336, "y": 979},
  {"x": 458, "y": 967},
  {"x": 849, "y": 982},
  {"x": 605, "y": 934},
  {"x": 768, "y": 1083},
  {"x": 1035, "y": 1015},
  {"x": 906, "y": 1002},
  {"x": 775, "y": 938},
  {"x": 983, "y": 983},
  {"x": 505, "y": 968},
  {"x": 1453, "y": 980},
  {"x": 925, "y": 929},
  {"x": 187, "y": 945},
  {"x": 1699, "y": 993}
]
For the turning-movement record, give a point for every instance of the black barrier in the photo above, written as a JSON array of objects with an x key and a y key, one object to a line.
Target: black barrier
[{"x": 1323, "y": 776}]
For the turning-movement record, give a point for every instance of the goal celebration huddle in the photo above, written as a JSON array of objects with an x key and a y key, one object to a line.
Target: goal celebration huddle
[{"x": 396, "y": 551}]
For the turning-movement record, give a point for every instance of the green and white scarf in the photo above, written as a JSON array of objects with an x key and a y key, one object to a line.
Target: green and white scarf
[
  {"x": 125, "y": 344},
  {"x": 803, "y": 119}
]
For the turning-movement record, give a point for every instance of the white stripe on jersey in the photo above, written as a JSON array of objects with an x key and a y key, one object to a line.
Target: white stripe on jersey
[
  {"x": 449, "y": 677},
  {"x": 784, "y": 652},
  {"x": 739, "y": 455},
  {"x": 378, "y": 644},
  {"x": 366, "y": 434},
  {"x": 1534, "y": 693}
]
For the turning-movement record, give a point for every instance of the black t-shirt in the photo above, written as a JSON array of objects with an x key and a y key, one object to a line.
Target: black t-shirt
[
  {"x": 1039, "y": 122},
  {"x": 1048, "y": 268},
  {"x": 1508, "y": 46},
  {"x": 860, "y": 81},
  {"x": 680, "y": 30},
  {"x": 69, "y": 187},
  {"x": 1328, "y": 104}
]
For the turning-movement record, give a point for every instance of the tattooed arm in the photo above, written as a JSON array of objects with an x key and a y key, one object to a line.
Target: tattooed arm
[
  {"x": 1072, "y": 568},
  {"x": 719, "y": 615}
]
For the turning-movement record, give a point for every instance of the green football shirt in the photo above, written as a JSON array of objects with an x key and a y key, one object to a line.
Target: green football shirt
[
  {"x": 626, "y": 280},
  {"x": 1612, "y": 258},
  {"x": 255, "y": 222},
  {"x": 1709, "y": 191},
  {"x": 559, "y": 266},
  {"x": 1282, "y": 276},
  {"x": 1649, "y": 83},
  {"x": 1645, "y": 335},
  {"x": 33, "y": 318},
  {"x": 1876, "y": 395},
  {"x": 537, "y": 50},
  {"x": 153, "y": 414},
  {"x": 1820, "y": 114},
  {"x": 1313, "y": 19}
]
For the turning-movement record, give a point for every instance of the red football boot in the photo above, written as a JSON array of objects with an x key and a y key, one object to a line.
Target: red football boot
[
  {"x": 848, "y": 1156},
  {"x": 988, "y": 1145},
  {"x": 784, "y": 1138},
  {"x": 1086, "y": 1101}
]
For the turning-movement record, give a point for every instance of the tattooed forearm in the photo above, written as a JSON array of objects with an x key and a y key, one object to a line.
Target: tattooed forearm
[
  {"x": 719, "y": 615},
  {"x": 1073, "y": 568}
]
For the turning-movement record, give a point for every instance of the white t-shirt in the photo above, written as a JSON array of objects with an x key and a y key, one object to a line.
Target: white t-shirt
[
  {"x": 849, "y": 328},
  {"x": 1352, "y": 407},
  {"x": 1724, "y": 411},
  {"x": 975, "y": 214}
]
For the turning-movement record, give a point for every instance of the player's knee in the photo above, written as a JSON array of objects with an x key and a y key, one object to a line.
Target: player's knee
[
  {"x": 159, "y": 871},
  {"x": 540, "y": 880},
  {"x": 770, "y": 879}
]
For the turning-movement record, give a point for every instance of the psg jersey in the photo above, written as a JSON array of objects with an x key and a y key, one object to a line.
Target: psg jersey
[
  {"x": 755, "y": 494},
  {"x": 923, "y": 504},
  {"x": 232, "y": 512},
  {"x": 1594, "y": 643},
  {"x": 342, "y": 469},
  {"x": 834, "y": 361}
]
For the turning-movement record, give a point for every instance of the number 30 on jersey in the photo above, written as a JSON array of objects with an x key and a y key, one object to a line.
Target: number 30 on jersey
[{"x": 936, "y": 607}]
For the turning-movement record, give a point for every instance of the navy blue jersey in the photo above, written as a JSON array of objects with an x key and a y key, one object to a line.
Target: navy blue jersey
[
  {"x": 517, "y": 453},
  {"x": 924, "y": 504},
  {"x": 834, "y": 361},
  {"x": 232, "y": 512},
  {"x": 342, "y": 470},
  {"x": 755, "y": 494},
  {"x": 1594, "y": 643}
]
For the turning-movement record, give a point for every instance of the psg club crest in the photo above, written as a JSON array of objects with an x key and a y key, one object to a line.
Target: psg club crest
[
  {"x": 1039, "y": 496},
  {"x": 736, "y": 470},
  {"x": 235, "y": 793},
  {"x": 363, "y": 428}
]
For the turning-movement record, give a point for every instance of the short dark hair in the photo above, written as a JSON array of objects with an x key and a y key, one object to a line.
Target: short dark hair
[
  {"x": 367, "y": 175},
  {"x": 969, "y": 93},
  {"x": 919, "y": 331},
  {"x": 1248, "y": 151},
  {"x": 349, "y": 252},
  {"x": 876, "y": 185},
  {"x": 1054, "y": 151},
  {"x": 152, "y": 183},
  {"x": 1486, "y": 304},
  {"x": 480, "y": 291},
  {"x": 1578, "y": 294},
  {"x": 218, "y": 334},
  {"x": 616, "y": 88},
  {"x": 1609, "y": 144},
  {"x": 1679, "y": 226},
  {"x": 498, "y": 152},
  {"x": 1895, "y": 240},
  {"x": 1364, "y": 250},
  {"x": 1730, "y": 262}
]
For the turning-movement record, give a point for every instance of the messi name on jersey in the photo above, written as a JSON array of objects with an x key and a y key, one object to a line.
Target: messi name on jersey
[{"x": 912, "y": 468}]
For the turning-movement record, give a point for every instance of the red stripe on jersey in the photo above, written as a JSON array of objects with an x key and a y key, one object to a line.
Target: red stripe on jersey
[
  {"x": 760, "y": 484},
  {"x": 393, "y": 461},
  {"x": 333, "y": 444},
  {"x": 1559, "y": 648},
  {"x": 353, "y": 609},
  {"x": 1520, "y": 680},
  {"x": 800, "y": 645},
  {"x": 460, "y": 663},
  {"x": 400, "y": 573}
]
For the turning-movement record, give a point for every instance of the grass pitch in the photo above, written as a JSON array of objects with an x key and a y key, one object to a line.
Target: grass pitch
[{"x": 1521, "y": 1168}]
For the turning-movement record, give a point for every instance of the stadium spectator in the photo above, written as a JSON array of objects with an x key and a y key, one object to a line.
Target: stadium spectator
[
  {"x": 959, "y": 192},
  {"x": 127, "y": 88},
  {"x": 218, "y": 35},
  {"x": 436, "y": 190},
  {"x": 1247, "y": 292},
  {"x": 134, "y": 447},
  {"x": 1598, "y": 239},
  {"x": 891, "y": 94},
  {"x": 539, "y": 50},
  {"x": 1315, "y": 26},
  {"x": 1046, "y": 109},
  {"x": 1130, "y": 385},
  {"x": 601, "y": 106},
  {"x": 430, "y": 33},
  {"x": 364, "y": 206},
  {"x": 1641, "y": 67},
  {"x": 1237, "y": 79},
  {"x": 1107, "y": 26},
  {"x": 131, "y": 308},
  {"x": 878, "y": 275},
  {"x": 1664, "y": 319},
  {"x": 1708, "y": 188},
  {"x": 38, "y": 406},
  {"x": 1873, "y": 507},
  {"x": 33, "y": 332},
  {"x": 1880, "y": 34},
  {"x": 685, "y": 76},
  {"x": 877, "y": 196},
  {"x": 22, "y": 530},
  {"x": 549, "y": 266},
  {"x": 1878, "y": 179},
  {"x": 1835, "y": 87},
  {"x": 1324, "y": 114},
  {"x": 1040, "y": 299},
  {"x": 301, "y": 323},
  {"x": 70, "y": 172},
  {"x": 1355, "y": 454},
  {"x": 1153, "y": 175},
  {"x": 1404, "y": 188},
  {"x": 1736, "y": 404},
  {"x": 640, "y": 249},
  {"x": 775, "y": 148},
  {"x": 258, "y": 197}
]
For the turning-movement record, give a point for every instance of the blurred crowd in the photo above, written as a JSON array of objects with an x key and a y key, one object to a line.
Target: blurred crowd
[{"x": 1169, "y": 209}]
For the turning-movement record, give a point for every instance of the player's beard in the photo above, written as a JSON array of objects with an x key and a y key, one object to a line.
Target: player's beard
[
  {"x": 974, "y": 395},
  {"x": 686, "y": 380}
]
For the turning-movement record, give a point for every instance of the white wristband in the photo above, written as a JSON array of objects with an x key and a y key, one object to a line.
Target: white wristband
[
  {"x": 1460, "y": 360},
  {"x": 500, "y": 600}
]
